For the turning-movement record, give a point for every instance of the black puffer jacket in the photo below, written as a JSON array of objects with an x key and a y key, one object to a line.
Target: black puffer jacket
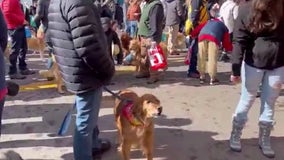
[{"x": 80, "y": 45}]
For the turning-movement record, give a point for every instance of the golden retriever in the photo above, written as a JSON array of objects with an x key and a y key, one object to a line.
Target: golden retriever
[
  {"x": 135, "y": 49},
  {"x": 35, "y": 44},
  {"x": 135, "y": 122},
  {"x": 181, "y": 41}
]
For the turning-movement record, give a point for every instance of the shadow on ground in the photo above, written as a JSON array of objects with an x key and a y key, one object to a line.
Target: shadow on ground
[
  {"x": 173, "y": 137},
  {"x": 180, "y": 144}
]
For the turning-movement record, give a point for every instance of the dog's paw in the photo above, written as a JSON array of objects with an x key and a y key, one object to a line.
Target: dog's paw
[
  {"x": 60, "y": 91},
  {"x": 119, "y": 148}
]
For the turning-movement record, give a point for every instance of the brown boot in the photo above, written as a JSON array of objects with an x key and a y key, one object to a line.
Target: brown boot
[
  {"x": 142, "y": 75},
  {"x": 154, "y": 77},
  {"x": 152, "y": 80}
]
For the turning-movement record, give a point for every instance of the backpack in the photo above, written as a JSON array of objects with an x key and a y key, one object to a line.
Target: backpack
[{"x": 204, "y": 16}]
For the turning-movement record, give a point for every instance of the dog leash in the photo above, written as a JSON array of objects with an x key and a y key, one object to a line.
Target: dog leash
[
  {"x": 67, "y": 118},
  {"x": 116, "y": 95}
]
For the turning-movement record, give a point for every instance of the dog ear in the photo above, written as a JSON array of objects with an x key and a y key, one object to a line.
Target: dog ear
[
  {"x": 138, "y": 108},
  {"x": 148, "y": 101},
  {"x": 149, "y": 98}
]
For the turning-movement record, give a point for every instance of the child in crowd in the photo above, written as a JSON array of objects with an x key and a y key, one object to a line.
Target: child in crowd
[{"x": 210, "y": 36}]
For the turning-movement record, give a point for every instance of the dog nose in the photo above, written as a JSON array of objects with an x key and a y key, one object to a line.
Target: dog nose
[{"x": 160, "y": 109}]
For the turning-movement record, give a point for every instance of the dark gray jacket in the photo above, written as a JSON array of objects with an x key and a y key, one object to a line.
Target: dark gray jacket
[
  {"x": 174, "y": 11},
  {"x": 80, "y": 45},
  {"x": 156, "y": 22}
]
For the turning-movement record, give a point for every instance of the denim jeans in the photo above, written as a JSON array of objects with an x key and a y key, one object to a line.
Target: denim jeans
[
  {"x": 271, "y": 81},
  {"x": 193, "y": 60},
  {"x": 132, "y": 27},
  {"x": 18, "y": 49},
  {"x": 125, "y": 8},
  {"x": 86, "y": 131},
  {"x": 2, "y": 102}
]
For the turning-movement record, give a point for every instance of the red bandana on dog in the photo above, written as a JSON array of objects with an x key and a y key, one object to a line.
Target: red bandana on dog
[{"x": 127, "y": 112}]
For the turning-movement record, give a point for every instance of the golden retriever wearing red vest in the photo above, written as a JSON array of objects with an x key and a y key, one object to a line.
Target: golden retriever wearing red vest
[{"x": 134, "y": 121}]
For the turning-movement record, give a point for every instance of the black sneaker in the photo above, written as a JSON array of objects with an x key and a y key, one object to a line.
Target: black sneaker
[
  {"x": 16, "y": 76},
  {"x": 224, "y": 57},
  {"x": 105, "y": 146},
  {"x": 27, "y": 72},
  {"x": 202, "y": 80},
  {"x": 258, "y": 94}
]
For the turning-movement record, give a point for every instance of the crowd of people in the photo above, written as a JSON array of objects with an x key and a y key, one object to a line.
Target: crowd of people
[{"x": 81, "y": 33}]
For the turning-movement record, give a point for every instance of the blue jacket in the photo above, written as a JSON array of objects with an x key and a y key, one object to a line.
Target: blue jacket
[{"x": 214, "y": 30}]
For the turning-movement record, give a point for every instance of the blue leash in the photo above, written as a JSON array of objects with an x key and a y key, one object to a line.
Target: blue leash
[{"x": 67, "y": 118}]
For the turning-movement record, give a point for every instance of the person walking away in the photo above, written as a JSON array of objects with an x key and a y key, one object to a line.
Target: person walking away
[
  {"x": 173, "y": 17},
  {"x": 150, "y": 29},
  {"x": 258, "y": 58},
  {"x": 133, "y": 16},
  {"x": 15, "y": 20},
  {"x": 79, "y": 45},
  {"x": 211, "y": 35}
]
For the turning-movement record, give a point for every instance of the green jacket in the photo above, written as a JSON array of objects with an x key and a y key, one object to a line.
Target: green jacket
[{"x": 144, "y": 24}]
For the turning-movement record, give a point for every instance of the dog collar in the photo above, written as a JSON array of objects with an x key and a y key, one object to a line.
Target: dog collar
[{"x": 127, "y": 113}]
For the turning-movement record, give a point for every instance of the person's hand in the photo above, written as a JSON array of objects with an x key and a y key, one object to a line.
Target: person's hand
[
  {"x": 148, "y": 42},
  {"x": 235, "y": 79},
  {"x": 26, "y": 22}
]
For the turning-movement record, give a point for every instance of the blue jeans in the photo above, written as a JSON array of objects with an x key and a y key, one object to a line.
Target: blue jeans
[
  {"x": 132, "y": 27},
  {"x": 125, "y": 8},
  {"x": 193, "y": 60},
  {"x": 19, "y": 49},
  {"x": 2, "y": 102},
  {"x": 271, "y": 81},
  {"x": 86, "y": 131}
]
